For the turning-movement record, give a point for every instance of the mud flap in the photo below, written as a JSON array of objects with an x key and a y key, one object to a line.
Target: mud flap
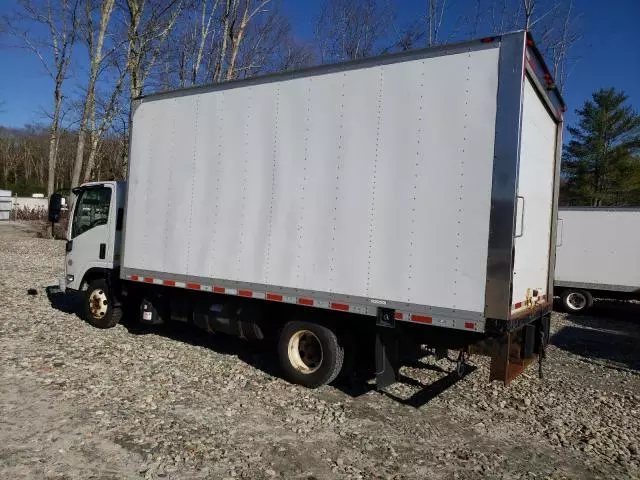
[{"x": 387, "y": 349}]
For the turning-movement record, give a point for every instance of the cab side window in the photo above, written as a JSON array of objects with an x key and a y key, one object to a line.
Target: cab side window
[{"x": 92, "y": 209}]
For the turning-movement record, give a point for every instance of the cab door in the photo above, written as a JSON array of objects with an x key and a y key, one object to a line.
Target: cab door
[{"x": 91, "y": 232}]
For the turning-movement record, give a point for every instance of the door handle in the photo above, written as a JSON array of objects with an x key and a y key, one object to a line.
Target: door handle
[
  {"x": 520, "y": 197},
  {"x": 560, "y": 232},
  {"x": 103, "y": 251}
]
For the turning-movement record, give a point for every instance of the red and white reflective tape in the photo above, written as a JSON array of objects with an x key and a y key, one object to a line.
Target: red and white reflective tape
[
  {"x": 441, "y": 321},
  {"x": 438, "y": 321},
  {"x": 249, "y": 293},
  {"x": 536, "y": 300}
]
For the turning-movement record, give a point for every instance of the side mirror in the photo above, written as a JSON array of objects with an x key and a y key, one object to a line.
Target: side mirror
[{"x": 55, "y": 207}]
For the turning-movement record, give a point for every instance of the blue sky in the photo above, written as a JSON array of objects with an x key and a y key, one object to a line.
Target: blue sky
[{"x": 608, "y": 55}]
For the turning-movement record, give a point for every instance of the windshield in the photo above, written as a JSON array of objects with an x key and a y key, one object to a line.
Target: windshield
[{"x": 92, "y": 209}]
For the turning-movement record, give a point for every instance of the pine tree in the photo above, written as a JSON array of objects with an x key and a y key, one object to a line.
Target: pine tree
[{"x": 601, "y": 163}]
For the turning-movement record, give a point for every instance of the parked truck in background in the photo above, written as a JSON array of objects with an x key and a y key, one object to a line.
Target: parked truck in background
[
  {"x": 598, "y": 255},
  {"x": 376, "y": 205}
]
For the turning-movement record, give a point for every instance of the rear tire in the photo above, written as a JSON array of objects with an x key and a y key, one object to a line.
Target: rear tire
[
  {"x": 309, "y": 354},
  {"x": 99, "y": 305},
  {"x": 574, "y": 301}
]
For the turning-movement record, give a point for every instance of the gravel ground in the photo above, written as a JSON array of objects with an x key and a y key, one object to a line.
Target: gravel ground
[{"x": 79, "y": 403}]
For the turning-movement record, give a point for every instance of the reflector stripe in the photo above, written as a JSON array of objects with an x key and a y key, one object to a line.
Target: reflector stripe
[
  {"x": 421, "y": 319},
  {"x": 340, "y": 306},
  {"x": 518, "y": 305},
  {"x": 317, "y": 303}
]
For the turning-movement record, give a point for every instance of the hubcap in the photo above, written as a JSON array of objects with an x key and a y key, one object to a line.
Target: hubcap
[
  {"x": 305, "y": 351},
  {"x": 98, "y": 303},
  {"x": 576, "y": 301}
]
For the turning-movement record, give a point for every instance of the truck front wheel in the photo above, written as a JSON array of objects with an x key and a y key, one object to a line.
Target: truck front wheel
[
  {"x": 574, "y": 301},
  {"x": 310, "y": 354},
  {"x": 99, "y": 308}
]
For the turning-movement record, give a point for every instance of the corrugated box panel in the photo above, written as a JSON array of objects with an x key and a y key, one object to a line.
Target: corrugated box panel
[{"x": 372, "y": 182}]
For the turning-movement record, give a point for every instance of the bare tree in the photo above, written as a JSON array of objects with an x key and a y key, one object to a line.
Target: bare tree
[
  {"x": 191, "y": 45},
  {"x": 474, "y": 19},
  {"x": 237, "y": 16},
  {"x": 148, "y": 25},
  {"x": 109, "y": 111},
  {"x": 94, "y": 38},
  {"x": 248, "y": 13},
  {"x": 552, "y": 22},
  {"x": 509, "y": 15},
  {"x": 435, "y": 15},
  {"x": 59, "y": 20},
  {"x": 269, "y": 46},
  {"x": 528, "y": 8},
  {"x": 560, "y": 47},
  {"x": 293, "y": 55},
  {"x": 226, "y": 39},
  {"x": 206, "y": 17},
  {"x": 350, "y": 29},
  {"x": 228, "y": 16}
]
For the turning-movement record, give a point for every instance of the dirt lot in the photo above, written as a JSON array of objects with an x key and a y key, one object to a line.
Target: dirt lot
[{"x": 79, "y": 403}]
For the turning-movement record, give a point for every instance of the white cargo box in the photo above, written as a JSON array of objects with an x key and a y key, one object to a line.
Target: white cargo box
[
  {"x": 423, "y": 181},
  {"x": 599, "y": 249}
]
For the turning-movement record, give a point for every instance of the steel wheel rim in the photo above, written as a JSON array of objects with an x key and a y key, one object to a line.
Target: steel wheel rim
[
  {"x": 305, "y": 351},
  {"x": 576, "y": 301},
  {"x": 98, "y": 303}
]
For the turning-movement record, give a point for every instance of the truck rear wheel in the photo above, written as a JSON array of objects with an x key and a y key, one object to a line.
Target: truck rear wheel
[
  {"x": 99, "y": 308},
  {"x": 310, "y": 354},
  {"x": 574, "y": 301}
]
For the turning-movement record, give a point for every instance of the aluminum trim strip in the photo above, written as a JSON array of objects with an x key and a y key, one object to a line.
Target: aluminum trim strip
[
  {"x": 505, "y": 176},
  {"x": 554, "y": 213}
]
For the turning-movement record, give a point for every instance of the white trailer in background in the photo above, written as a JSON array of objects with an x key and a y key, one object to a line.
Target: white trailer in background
[
  {"x": 409, "y": 197},
  {"x": 597, "y": 255},
  {"x": 5, "y": 204}
]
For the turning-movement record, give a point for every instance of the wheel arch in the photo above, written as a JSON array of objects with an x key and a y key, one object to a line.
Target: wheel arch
[{"x": 95, "y": 273}]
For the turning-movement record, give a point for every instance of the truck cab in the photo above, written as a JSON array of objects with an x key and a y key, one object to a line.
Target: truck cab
[{"x": 94, "y": 233}]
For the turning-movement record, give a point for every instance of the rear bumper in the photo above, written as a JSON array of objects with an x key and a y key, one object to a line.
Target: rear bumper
[
  {"x": 516, "y": 322},
  {"x": 516, "y": 343}
]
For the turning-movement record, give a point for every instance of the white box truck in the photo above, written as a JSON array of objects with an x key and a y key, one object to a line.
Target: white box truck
[
  {"x": 408, "y": 199},
  {"x": 598, "y": 255}
]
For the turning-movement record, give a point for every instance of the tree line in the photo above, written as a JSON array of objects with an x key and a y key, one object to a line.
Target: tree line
[{"x": 101, "y": 54}]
